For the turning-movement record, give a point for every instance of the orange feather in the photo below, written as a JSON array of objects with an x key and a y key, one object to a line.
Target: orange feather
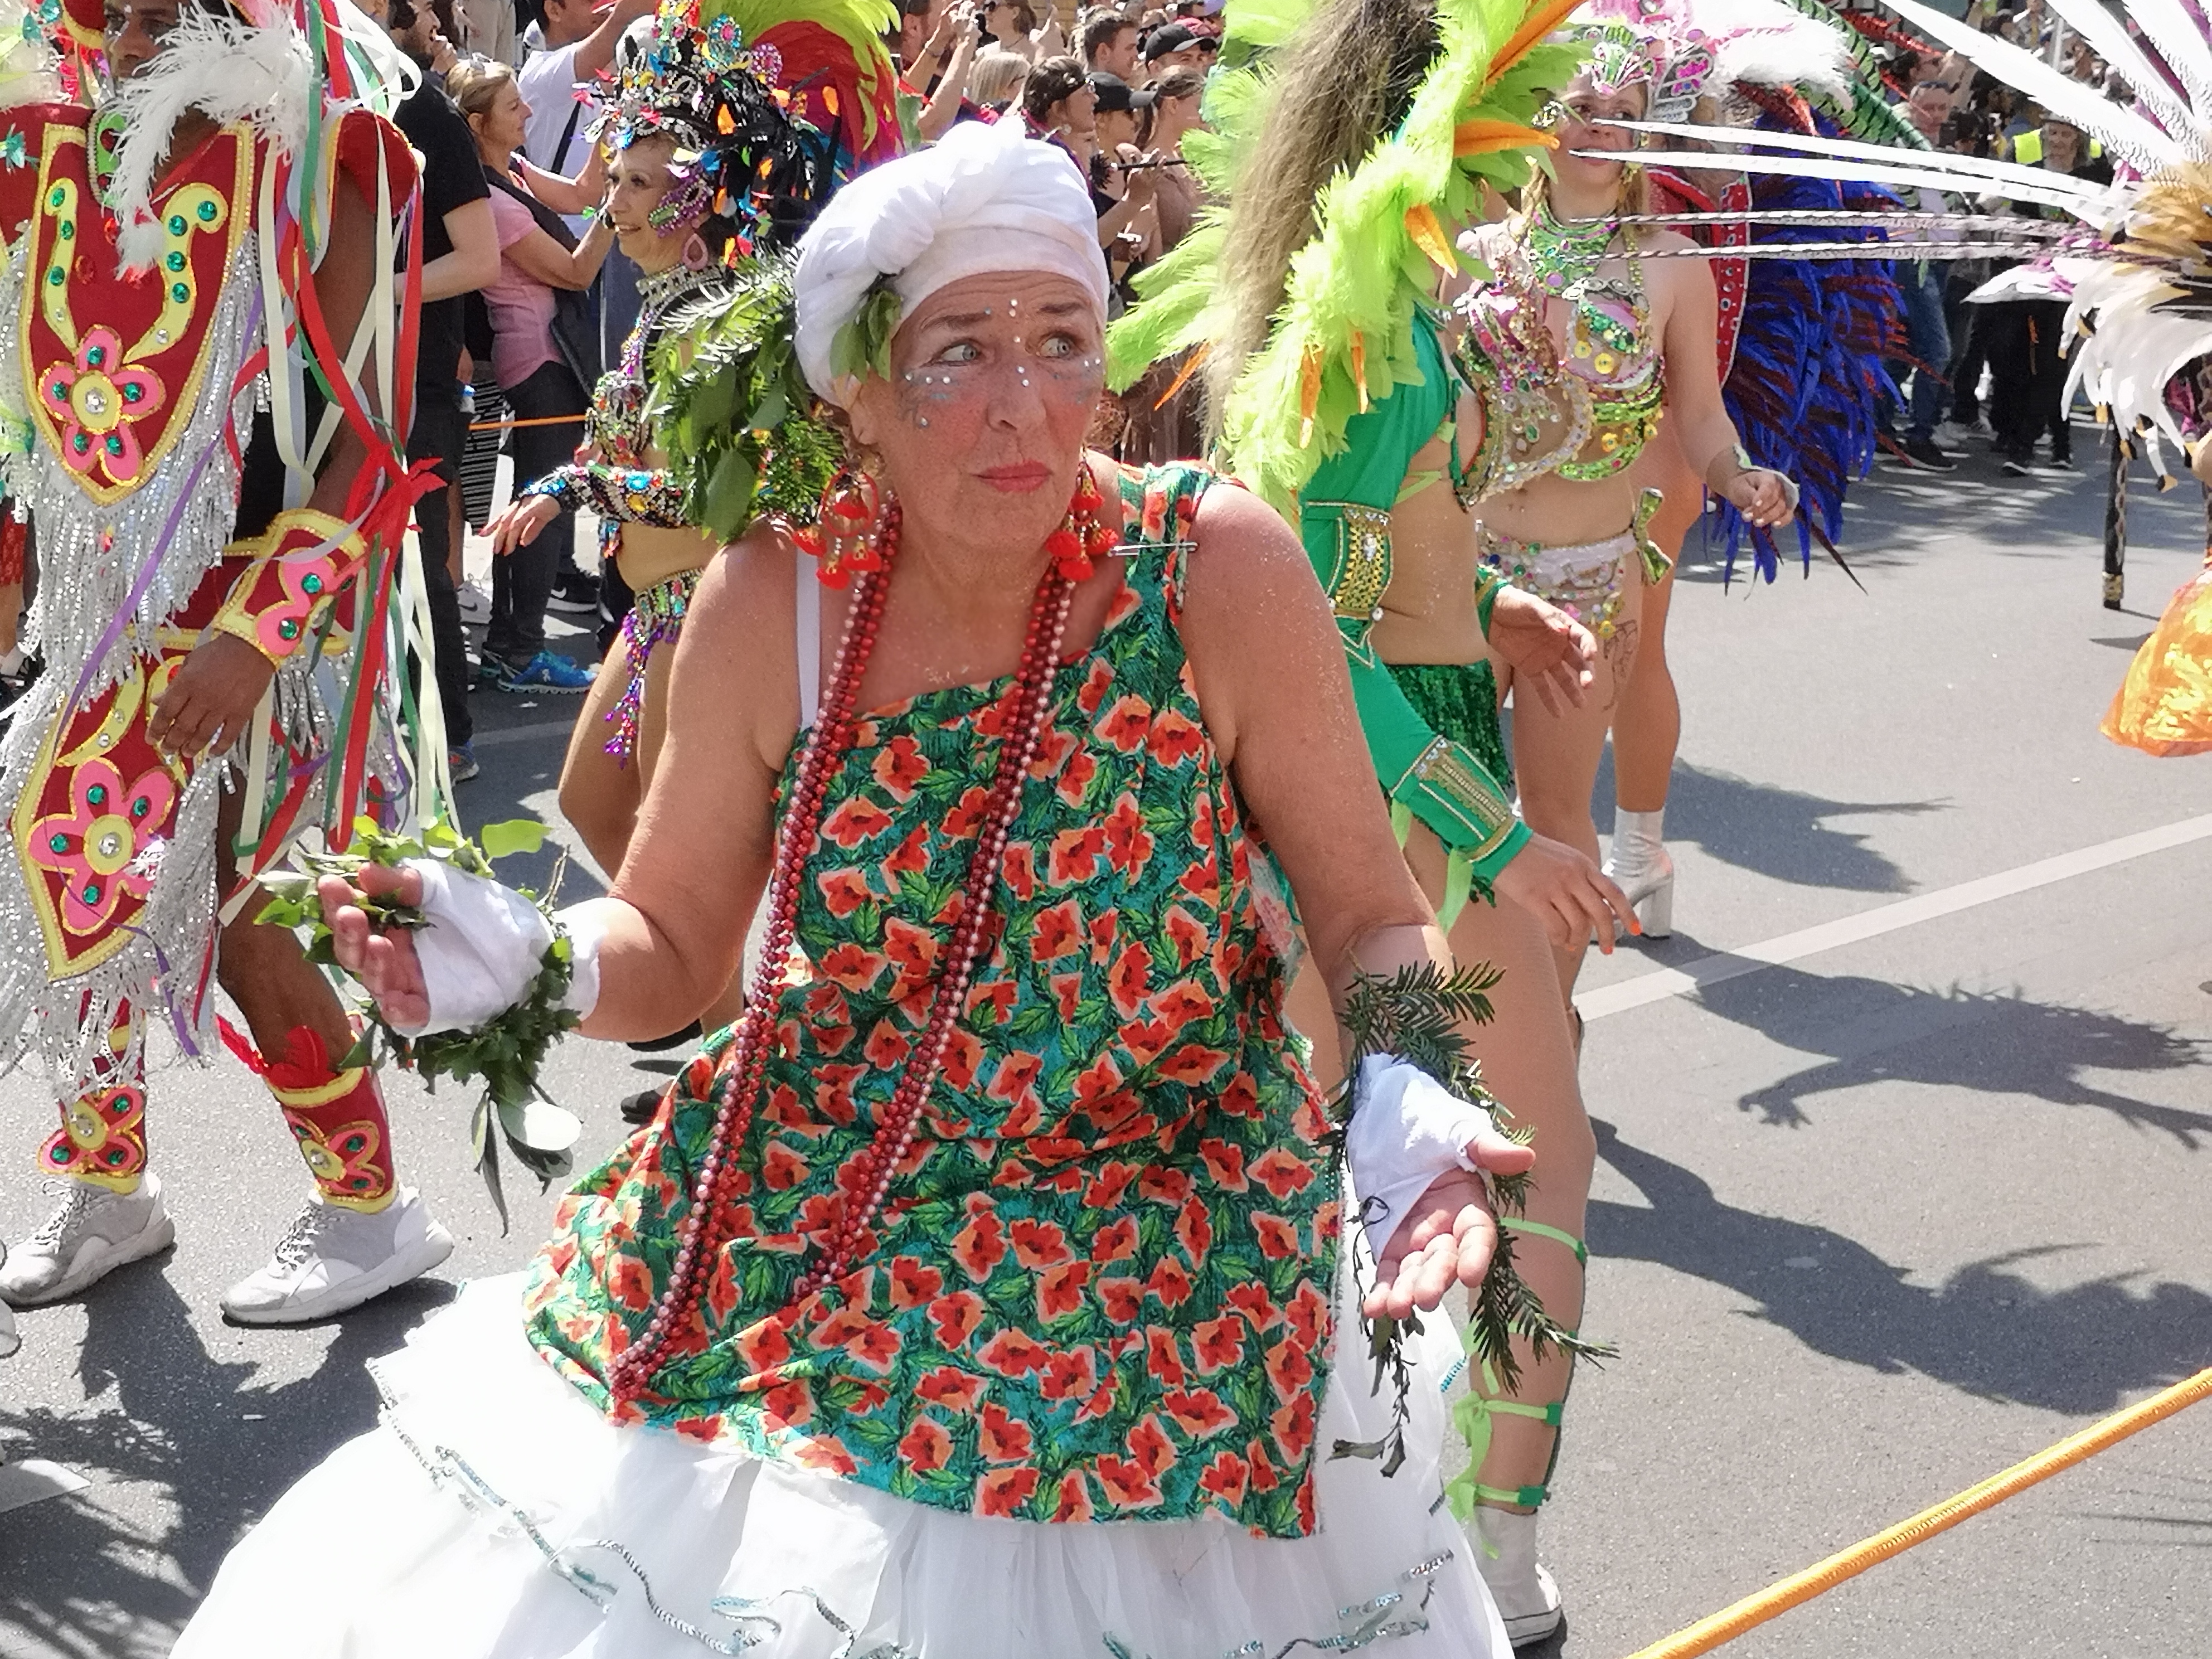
[{"x": 1547, "y": 15}]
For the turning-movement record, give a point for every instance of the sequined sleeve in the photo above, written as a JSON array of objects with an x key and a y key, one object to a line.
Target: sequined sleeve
[{"x": 621, "y": 495}]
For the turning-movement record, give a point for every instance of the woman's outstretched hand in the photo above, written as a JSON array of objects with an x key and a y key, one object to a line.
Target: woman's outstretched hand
[
  {"x": 384, "y": 962},
  {"x": 1448, "y": 1236},
  {"x": 518, "y": 525},
  {"x": 1565, "y": 889},
  {"x": 1544, "y": 646}
]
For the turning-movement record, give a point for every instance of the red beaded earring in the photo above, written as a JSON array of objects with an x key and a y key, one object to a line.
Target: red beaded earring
[
  {"x": 843, "y": 540},
  {"x": 1081, "y": 539}
]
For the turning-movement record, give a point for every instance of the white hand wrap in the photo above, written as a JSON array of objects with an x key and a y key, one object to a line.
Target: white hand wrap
[
  {"x": 1408, "y": 1130},
  {"x": 484, "y": 944}
]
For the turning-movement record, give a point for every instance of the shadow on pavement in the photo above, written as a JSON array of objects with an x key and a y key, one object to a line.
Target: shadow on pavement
[
  {"x": 1986, "y": 1329},
  {"x": 171, "y": 1415},
  {"x": 1995, "y": 1042},
  {"x": 1782, "y": 833}
]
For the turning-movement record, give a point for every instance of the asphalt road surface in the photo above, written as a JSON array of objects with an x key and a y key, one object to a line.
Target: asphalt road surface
[{"x": 1871, "y": 1223}]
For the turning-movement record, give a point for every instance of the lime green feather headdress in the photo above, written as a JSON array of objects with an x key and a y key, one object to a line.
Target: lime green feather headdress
[{"x": 1343, "y": 336}]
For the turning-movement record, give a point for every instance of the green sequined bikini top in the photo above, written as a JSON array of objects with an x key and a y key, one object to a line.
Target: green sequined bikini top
[{"x": 1587, "y": 417}]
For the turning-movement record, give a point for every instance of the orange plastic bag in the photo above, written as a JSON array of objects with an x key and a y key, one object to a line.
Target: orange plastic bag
[{"x": 2164, "y": 707}]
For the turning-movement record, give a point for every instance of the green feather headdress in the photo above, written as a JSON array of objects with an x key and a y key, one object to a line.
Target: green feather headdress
[{"x": 1344, "y": 334}]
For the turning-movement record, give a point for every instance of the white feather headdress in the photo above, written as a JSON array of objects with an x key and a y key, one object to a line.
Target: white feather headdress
[{"x": 261, "y": 72}]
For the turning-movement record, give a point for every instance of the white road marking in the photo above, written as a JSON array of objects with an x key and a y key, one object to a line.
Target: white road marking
[{"x": 1883, "y": 919}]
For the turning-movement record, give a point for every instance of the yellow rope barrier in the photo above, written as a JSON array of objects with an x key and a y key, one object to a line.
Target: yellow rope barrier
[{"x": 1777, "y": 1599}]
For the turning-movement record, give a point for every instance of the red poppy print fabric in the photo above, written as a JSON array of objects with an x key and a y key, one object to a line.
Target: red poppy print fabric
[{"x": 1100, "y": 1288}]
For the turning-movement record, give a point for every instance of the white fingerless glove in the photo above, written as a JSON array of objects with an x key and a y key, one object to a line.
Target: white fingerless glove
[
  {"x": 1407, "y": 1130},
  {"x": 483, "y": 945}
]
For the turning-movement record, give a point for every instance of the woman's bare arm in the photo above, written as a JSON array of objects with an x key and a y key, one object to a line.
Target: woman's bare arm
[
  {"x": 581, "y": 194},
  {"x": 677, "y": 916},
  {"x": 1708, "y": 438},
  {"x": 545, "y": 260},
  {"x": 1268, "y": 665}
]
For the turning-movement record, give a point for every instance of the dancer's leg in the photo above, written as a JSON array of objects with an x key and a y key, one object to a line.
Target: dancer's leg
[
  {"x": 362, "y": 1233},
  {"x": 1647, "y": 727},
  {"x": 599, "y": 795},
  {"x": 110, "y": 1212},
  {"x": 1556, "y": 755}
]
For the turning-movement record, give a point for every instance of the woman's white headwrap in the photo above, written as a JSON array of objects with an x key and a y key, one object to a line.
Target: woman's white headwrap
[{"x": 983, "y": 198}]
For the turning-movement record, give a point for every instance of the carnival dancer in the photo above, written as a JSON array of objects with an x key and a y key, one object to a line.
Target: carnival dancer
[
  {"x": 1330, "y": 385},
  {"x": 709, "y": 174},
  {"x": 219, "y": 551},
  {"x": 1579, "y": 344},
  {"x": 1006, "y": 1213},
  {"x": 1801, "y": 345}
]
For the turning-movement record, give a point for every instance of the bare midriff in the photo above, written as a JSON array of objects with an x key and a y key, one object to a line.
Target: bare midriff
[{"x": 647, "y": 554}]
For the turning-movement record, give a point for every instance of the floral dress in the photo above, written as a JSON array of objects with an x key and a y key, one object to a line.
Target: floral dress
[{"x": 1100, "y": 1288}]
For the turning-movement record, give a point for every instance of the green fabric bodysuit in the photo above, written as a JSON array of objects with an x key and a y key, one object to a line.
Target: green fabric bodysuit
[{"x": 1433, "y": 731}]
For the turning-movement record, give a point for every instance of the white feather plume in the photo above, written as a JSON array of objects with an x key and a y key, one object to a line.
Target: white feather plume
[
  {"x": 1771, "y": 45},
  {"x": 229, "y": 71}
]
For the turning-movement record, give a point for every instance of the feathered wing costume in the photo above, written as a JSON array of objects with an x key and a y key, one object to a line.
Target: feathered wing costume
[
  {"x": 1802, "y": 341},
  {"x": 2132, "y": 263},
  {"x": 1344, "y": 335},
  {"x": 1354, "y": 339}
]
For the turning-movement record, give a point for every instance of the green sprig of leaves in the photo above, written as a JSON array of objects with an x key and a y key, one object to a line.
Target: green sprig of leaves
[
  {"x": 1418, "y": 1014},
  {"x": 508, "y": 1052},
  {"x": 862, "y": 345},
  {"x": 743, "y": 431}
]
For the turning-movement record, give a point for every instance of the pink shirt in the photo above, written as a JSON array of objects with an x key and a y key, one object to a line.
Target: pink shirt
[{"x": 521, "y": 306}]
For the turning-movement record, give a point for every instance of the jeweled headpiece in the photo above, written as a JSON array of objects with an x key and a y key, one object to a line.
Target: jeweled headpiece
[
  {"x": 740, "y": 150},
  {"x": 1647, "y": 43}
]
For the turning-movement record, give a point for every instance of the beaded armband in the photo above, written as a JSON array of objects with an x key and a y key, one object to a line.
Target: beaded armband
[
  {"x": 1444, "y": 778},
  {"x": 1359, "y": 570},
  {"x": 298, "y": 568},
  {"x": 621, "y": 495}
]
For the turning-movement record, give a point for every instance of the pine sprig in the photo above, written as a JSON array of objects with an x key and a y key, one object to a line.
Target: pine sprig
[
  {"x": 1417, "y": 1015},
  {"x": 508, "y": 1052},
  {"x": 742, "y": 430}
]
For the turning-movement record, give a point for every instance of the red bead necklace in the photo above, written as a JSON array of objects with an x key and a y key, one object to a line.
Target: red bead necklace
[{"x": 867, "y": 1180}]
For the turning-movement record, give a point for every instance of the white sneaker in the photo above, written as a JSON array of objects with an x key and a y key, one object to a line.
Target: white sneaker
[
  {"x": 476, "y": 604},
  {"x": 91, "y": 1233},
  {"x": 9, "y": 1341},
  {"x": 332, "y": 1258},
  {"x": 1505, "y": 1552},
  {"x": 1951, "y": 436}
]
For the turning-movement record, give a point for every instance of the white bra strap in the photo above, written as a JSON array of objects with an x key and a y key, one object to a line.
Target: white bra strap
[{"x": 808, "y": 611}]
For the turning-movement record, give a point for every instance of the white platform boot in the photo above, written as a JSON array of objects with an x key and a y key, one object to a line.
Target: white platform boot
[
  {"x": 1639, "y": 865},
  {"x": 1505, "y": 1552}
]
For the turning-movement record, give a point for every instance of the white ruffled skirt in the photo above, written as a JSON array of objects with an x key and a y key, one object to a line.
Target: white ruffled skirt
[{"x": 495, "y": 1514}]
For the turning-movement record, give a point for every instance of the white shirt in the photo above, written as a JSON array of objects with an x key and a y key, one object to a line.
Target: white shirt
[{"x": 548, "y": 81}]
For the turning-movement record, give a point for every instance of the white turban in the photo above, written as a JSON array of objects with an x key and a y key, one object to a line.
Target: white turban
[{"x": 982, "y": 198}]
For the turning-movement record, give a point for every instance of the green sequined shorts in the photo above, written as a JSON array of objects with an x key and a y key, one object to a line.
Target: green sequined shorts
[{"x": 1460, "y": 702}]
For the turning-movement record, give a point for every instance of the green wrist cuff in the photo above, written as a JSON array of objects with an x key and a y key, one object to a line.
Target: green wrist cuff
[
  {"x": 1487, "y": 865},
  {"x": 1487, "y": 590}
]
